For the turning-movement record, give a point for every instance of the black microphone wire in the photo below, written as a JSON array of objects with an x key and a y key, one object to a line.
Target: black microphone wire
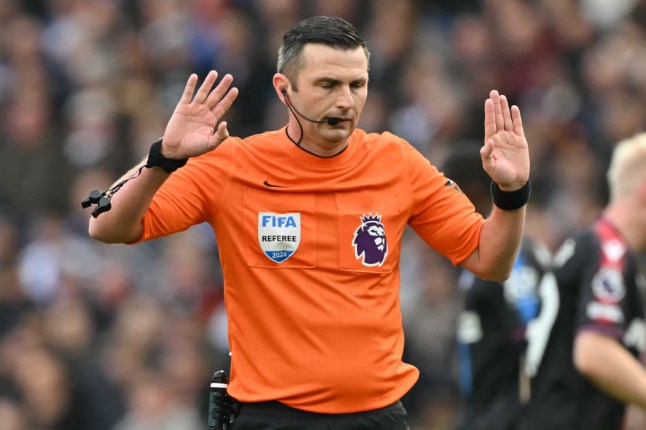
[
  {"x": 288, "y": 102},
  {"x": 296, "y": 114}
]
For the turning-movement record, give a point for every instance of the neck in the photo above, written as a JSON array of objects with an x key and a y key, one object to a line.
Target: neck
[{"x": 321, "y": 148}]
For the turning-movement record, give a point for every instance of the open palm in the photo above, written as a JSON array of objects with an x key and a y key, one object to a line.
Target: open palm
[
  {"x": 505, "y": 153},
  {"x": 195, "y": 126}
]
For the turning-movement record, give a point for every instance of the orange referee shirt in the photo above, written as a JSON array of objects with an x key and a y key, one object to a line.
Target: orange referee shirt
[{"x": 310, "y": 251}]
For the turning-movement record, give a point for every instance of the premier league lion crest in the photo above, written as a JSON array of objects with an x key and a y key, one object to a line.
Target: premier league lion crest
[{"x": 370, "y": 241}]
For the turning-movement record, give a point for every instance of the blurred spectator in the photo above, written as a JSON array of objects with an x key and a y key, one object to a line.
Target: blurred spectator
[
  {"x": 153, "y": 404},
  {"x": 12, "y": 415}
]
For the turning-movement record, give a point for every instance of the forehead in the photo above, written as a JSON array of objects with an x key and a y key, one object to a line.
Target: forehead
[{"x": 325, "y": 61}]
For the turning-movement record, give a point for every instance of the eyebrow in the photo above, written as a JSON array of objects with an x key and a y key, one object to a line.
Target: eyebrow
[{"x": 334, "y": 81}]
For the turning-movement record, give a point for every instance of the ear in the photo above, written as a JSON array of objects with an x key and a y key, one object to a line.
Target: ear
[{"x": 281, "y": 85}]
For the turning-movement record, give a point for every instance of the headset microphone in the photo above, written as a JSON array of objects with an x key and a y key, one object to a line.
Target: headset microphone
[{"x": 329, "y": 120}]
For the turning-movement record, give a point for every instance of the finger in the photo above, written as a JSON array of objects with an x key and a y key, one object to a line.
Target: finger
[
  {"x": 500, "y": 122},
  {"x": 490, "y": 122},
  {"x": 518, "y": 121},
  {"x": 506, "y": 114},
  {"x": 218, "y": 92},
  {"x": 205, "y": 88},
  {"x": 189, "y": 89},
  {"x": 225, "y": 103}
]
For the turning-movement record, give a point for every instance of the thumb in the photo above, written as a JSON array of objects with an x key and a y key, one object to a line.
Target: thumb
[
  {"x": 487, "y": 150},
  {"x": 220, "y": 134},
  {"x": 486, "y": 153}
]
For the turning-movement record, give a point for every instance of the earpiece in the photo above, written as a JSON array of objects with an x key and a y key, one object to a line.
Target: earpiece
[{"x": 283, "y": 90}]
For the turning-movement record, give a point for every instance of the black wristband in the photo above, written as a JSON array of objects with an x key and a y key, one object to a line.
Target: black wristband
[
  {"x": 156, "y": 159},
  {"x": 510, "y": 200}
]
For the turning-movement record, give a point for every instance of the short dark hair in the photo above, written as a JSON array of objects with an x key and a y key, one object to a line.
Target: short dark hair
[{"x": 326, "y": 30}]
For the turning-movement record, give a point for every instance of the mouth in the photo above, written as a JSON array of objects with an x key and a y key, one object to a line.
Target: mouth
[{"x": 337, "y": 120}]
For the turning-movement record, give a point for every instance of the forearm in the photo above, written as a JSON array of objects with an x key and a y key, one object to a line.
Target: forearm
[
  {"x": 610, "y": 367},
  {"x": 123, "y": 222},
  {"x": 195, "y": 128},
  {"x": 500, "y": 239}
]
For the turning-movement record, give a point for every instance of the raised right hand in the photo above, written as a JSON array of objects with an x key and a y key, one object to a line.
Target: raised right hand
[{"x": 195, "y": 126}]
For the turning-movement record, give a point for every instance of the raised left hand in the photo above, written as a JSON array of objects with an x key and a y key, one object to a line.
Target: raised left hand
[{"x": 505, "y": 153}]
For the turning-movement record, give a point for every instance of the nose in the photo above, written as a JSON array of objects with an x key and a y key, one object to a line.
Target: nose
[{"x": 345, "y": 99}]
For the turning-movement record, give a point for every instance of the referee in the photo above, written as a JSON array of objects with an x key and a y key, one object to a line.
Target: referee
[{"x": 309, "y": 220}]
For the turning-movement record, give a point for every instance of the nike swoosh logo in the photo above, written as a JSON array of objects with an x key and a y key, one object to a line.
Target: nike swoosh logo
[{"x": 267, "y": 184}]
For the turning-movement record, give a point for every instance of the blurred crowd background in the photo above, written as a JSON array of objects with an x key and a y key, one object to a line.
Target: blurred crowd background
[{"x": 117, "y": 337}]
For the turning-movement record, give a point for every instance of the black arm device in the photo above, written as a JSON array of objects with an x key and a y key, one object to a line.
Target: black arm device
[{"x": 219, "y": 407}]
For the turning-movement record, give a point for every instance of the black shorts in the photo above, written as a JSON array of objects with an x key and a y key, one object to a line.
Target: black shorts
[{"x": 277, "y": 416}]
